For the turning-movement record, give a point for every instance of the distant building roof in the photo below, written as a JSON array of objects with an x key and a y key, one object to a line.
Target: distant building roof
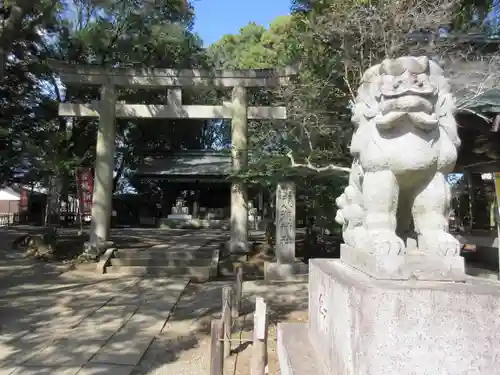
[
  {"x": 189, "y": 164},
  {"x": 9, "y": 194}
]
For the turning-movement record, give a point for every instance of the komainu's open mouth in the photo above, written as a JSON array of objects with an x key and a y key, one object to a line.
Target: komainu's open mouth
[
  {"x": 422, "y": 120},
  {"x": 405, "y": 103}
]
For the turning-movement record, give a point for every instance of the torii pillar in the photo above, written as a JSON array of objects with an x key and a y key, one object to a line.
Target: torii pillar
[
  {"x": 239, "y": 161},
  {"x": 104, "y": 168}
]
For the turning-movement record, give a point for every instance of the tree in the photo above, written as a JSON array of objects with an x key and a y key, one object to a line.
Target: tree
[
  {"x": 348, "y": 37},
  {"x": 20, "y": 85},
  {"x": 332, "y": 43},
  {"x": 359, "y": 34},
  {"x": 13, "y": 15},
  {"x": 39, "y": 145},
  {"x": 270, "y": 141}
]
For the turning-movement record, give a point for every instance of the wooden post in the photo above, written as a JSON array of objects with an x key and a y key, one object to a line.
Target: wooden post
[
  {"x": 216, "y": 348},
  {"x": 259, "y": 347},
  {"x": 227, "y": 319},
  {"x": 238, "y": 290}
]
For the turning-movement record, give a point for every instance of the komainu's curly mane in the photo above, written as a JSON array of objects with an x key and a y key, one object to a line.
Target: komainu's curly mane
[{"x": 366, "y": 106}]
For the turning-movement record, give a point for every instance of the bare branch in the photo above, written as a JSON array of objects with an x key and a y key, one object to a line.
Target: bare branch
[
  {"x": 308, "y": 165},
  {"x": 365, "y": 33},
  {"x": 471, "y": 75},
  {"x": 485, "y": 118}
]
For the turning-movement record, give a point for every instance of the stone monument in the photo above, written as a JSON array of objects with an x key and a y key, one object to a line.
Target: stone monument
[
  {"x": 398, "y": 300},
  {"x": 286, "y": 265},
  {"x": 252, "y": 216},
  {"x": 180, "y": 211}
]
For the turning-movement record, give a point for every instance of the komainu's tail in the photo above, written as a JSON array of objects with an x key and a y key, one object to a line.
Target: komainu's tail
[{"x": 350, "y": 213}]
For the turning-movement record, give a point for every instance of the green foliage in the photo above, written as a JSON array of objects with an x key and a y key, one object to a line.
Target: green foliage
[
  {"x": 106, "y": 33},
  {"x": 314, "y": 130},
  {"x": 330, "y": 42},
  {"x": 36, "y": 145},
  {"x": 256, "y": 47}
]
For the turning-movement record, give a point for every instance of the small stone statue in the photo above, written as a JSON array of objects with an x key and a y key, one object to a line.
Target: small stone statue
[{"x": 404, "y": 144}]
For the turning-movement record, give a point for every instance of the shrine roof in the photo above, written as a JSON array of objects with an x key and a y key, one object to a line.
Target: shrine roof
[
  {"x": 187, "y": 164},
  {"x": 480, "y": 150}
]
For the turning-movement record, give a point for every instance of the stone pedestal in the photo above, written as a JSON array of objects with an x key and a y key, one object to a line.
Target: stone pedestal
[
  {"x": 359, "y": 325},
  {"x": 181, "y": 217},
  {"x": 414, "y": 265},
  {"x": 93, "y": 250},
  {"x": 296, "y": 271}
]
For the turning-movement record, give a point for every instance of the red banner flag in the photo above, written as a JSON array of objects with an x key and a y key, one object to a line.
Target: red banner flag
[
  {"x": 85, "y": 187},
  {"x": 24, "y": 202}
]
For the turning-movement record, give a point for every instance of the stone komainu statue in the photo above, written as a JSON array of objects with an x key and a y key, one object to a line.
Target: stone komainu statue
[{"x": 404, "y": 144}]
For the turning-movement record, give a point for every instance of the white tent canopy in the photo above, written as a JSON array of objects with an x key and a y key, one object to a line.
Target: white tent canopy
[{"x": 8, "y": 194}]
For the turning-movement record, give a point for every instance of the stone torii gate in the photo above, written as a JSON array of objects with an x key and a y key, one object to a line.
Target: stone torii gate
[{"x": 108, "y": 110}]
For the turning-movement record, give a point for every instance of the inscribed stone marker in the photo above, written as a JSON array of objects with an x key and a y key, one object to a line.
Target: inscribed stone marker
[{"x": 285, "y": 222}]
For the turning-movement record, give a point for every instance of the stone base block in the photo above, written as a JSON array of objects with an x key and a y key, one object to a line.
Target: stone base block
[
  {"x": 295, "y": 352},
  {"x": 94, "y": 249},
  {"x": 238, "y": 247},
  {"x": 182, "y": 217},
  {"x": 412, "y": 266},
  {"x": 362, "y": 326},
  {"x": 296, "y": 271}
]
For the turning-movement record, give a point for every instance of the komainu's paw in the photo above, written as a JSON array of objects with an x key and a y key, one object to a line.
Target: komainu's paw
[
  {"x": 385, "y": 242},
  {"x": 439, "y": 243},
  {"x": 356, "y": 238}
]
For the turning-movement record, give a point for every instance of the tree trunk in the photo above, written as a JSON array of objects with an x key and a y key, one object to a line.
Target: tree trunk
[
  {"x": 119, "y": 173},
  {"x": 53, "y": 205}
]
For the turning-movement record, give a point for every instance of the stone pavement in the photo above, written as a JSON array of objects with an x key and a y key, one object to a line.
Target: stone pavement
[
  {"x": 74, "y": 324},
  {"x": 56, "y": 322}
]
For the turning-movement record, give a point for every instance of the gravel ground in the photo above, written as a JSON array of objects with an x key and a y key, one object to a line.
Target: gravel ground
[
  {"x": 183, "y": 347},
  {"x": 240, "y": 361}
]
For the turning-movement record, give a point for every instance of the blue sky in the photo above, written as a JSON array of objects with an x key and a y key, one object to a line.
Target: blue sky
[{"x": 214, "y": 18}]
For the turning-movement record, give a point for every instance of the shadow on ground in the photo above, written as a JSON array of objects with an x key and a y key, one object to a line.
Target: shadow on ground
[
  {"x": 70, "y": 243},
  {"x": 63, "y": 323},
  {"x": 67, "y": 323}
]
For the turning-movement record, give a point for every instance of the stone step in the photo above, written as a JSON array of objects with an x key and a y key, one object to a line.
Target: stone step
[
  {"x": 293, "y": 338},
  {"x": 195, "y": 273},
  {"x": 154, "y": 261},
  {"x": 164, "y": 254}
]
